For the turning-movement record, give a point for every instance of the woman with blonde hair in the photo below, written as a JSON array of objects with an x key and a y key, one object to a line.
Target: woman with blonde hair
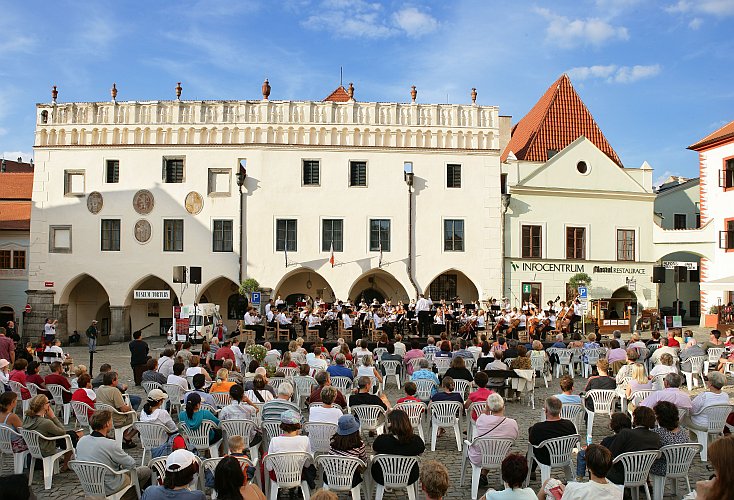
[
  {"x": 367, "y": 369},
  {"x": 639, "y": 381},
  {"x": 41, "y": 418},
  {"x": 78, "y": 371},
  {"x": 221, "y": 383}
]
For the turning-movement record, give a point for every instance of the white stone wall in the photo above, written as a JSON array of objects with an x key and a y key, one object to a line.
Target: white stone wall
[{"x": 14, "y": 282}]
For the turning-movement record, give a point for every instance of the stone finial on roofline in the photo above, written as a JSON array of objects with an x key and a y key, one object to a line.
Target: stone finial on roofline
[
  {"x": 266, "y": 90},
  {"x": 473, "y": 95},
  {"x": 54, "y": 94},
  {"x": 413, "y": 93},
  {"x": 178, "y": 91},
  {"x": 113, "y": 92}
]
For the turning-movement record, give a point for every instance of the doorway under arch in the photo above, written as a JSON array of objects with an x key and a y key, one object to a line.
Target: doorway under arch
[
  {"x": 152, "y": 316},
  {"x": 87, "y": 300},
  {"x": 452, "y": 284},
  {"x": 304, "y": 282},
  {"x": 7, "y": 313},
  {"x": 378, "y": 284}
]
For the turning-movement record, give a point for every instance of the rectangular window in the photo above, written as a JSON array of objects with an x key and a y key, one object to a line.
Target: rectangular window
[
  {"x": 443, "y": 287},
  {"x": 332, "y": 232},
  {"x": 311, "y": 173},
  {"x": 626, "y": 244},
  {"x": 222, "y": 236},
  {"x": 531, "y": 293},
  {"x": 504, "y": 189},
  {"x": 59, "y": 239},
  {"x": 694, "y": 275},
  {"x": 18, "y": 259},
  {"x": 5, "y": 259},
  {"x": 173, "y": 170},
  {"x": 357, "y": 173},
  {"x": 726, "y": 237},
  {"x": 173, "y": 235},
  {"x": 726, "y": 178},
  {"x": 112, "y": 171},
  {"x": 576, "y": 243},
  {"x": 453, "y": 175},
  {"x": 286, "y": 235},
  {"x": 532, "y": 240},
  {"x": 110, "y": 235},
  {"x": 74, "y": 183},
  {"x": 379, "y": 234},
  {"x": 453, "y": 235},
  {"x": 220, "y": 181},
  {"x": 679, "y": 221}
]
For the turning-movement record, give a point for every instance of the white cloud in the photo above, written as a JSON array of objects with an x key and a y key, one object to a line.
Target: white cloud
[
  {"x": 414, "y": 22},
  {"x": 613, "y": 73},
  {"x": 569, "y": 33},
  {"x": 14, "y": 155},
  {"x": 718, "y": 8},
  {"x": 363, "y": 19},
  {"x": 695, "y": 23},
  {"x": 660, "y": 179}
]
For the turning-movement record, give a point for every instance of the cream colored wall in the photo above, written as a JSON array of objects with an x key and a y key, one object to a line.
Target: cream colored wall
[{"x": 678, "y": 201}]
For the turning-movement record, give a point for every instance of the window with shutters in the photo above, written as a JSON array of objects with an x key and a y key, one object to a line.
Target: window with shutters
[
  {"x": 532, "y": 240},
  {"x": 332, "y": 232},
  {"x": 357, "y": 174},
  {"x": 173, "y": 235},
  {"x": 59, "y": 239},
  {"x": 576, "y": 243},
  {"x": 110, "y": 235},
  {"x": 222, "y": 236},
  {"x": 379, "y": 235},
  {"x": 74, "y": 183},
  {"x": 726, "y": 237},
  {"x": 286, "y": 233},
  {"x": 453, "y": 235},
  {"x": 173, "y": 170},
  {"x": 311, "y": 171},
  {"x": 726, "y": 176},
  {"x": 453, "y": 175},
  {"x": 626, "y": 244},
  {"x": 112, "y": 171}
]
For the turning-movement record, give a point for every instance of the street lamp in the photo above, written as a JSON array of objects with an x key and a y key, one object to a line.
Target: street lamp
[
  {"x": 506, "y": 198},
  {"x": 408, "y": 178},
  {"x": 241, "y": 176},
  {"x": 408, "y": 173}
]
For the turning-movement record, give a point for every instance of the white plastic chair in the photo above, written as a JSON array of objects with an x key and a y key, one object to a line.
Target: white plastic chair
[
  {"x": 210, "y": 464},
  {"x": 16, "y": 388},
  {"x": 50, "y": 463},
  {"x": 391, "y": 370},
  {"x": 339, "y": 471},
  {"x": 271, "y": 429},
  {"x": 717, "y": 415},
  {"x": 444, "y": 415},
  {"x": 414, "y": 362},
  {"x": 370, "y": 417},
  {"x": 378, "y": 352},
  {"x": 592, "y": 358},
  {"x": 462, "y": 387},
  {"x": 538, "y": 364},
  {"x": 221, "y": 398},
  {"x": 152, "y": 435},
  {"x": 199, "y": 437},
  {"x": 320, "y": 433},
  {"x": 287, "y": 467},
  {"x": 424, "y": 389},
  {"x": 697, "y": 363},
  {"x": 574, "y": 413},
  {"x": 564, "y": 360},
  {"x": 150, "y": 385},
  {"x": 57, "y": 392},
  {"x": 7, "y": 436},
  {"x": 175, "y": 396},
  {"x": 713, "y": 356},
  {"x": 33, "y": 389},
  {"x": 240, "y": 427},
  {"x": 636, "y": 398},
  {"x": 158, "y": 469},
  {"x": 415, "y": 411},
  {"x": 396, "y": 474},
  {"x": 475, "y": 409},
  {"x": 342, "y": 384},
  {"x": 442, "y": 365},
  {"x": 493, "y": 452},
  {"x": 559, "y": 451},
  {"x": 678, "y": 459},
  {"x": 603, "y": 400},
  {"x": 289, "y": 372},
  {"x": 81, "y": 413},
  {"x": 275, "y": 382},
  {"x": 470, "y": 363},
  {"x": 92, "y": 478},
  {"x": 636, "y": 469},
  {"x": 119, "y": 431},
  {"x": 303, "y": 387}
]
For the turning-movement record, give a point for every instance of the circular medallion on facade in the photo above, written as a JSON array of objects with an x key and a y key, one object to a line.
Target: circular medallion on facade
[
  {"x": 94, "y": 202},
  {"x": 194, "y": 203},
  {"x": 142, "y": 231},
  {"x": 143, "y": 202}
]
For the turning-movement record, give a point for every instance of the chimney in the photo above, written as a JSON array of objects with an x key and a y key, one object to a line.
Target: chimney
[{"x": 2, "y": 166}]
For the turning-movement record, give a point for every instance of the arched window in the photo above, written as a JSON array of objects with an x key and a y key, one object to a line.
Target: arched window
[{"x": 236, "y": 306}]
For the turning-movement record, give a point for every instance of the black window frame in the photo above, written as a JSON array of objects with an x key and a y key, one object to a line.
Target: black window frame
[
  {"x": 380, "y": 234},
  {"x": 357, "y": 178},
  {"x": 574, "y": 244},
  {"x": 307, "y": 172},
  {"x": 331, "y": 233},
  {"x": 222, "y": 237},
  {"x": 112, "y": 171},
  {"x": 6, "y": 259},
  {"x": 284, "y": 228},
  {"x": 109, "y": 240},
  {"x": 171, "y": 238},
  {"x": 174, "y": 170},
  {"x": 536, "y": 292},
  {"x": 452, "y": 242},
  {"x": 529, "y": 248},
  {"x": 453, "y": 175},
  {"x": 679, "y": 223},
  {"x": 16, "y": 257},
  {"x": 726, "y": 176}
]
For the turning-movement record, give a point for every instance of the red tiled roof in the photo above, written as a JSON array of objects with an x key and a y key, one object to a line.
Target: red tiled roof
[
  {"x": 339, "y": 95},
  {"x": 16, "y": 186},
  {"x": 724, "y": 133},
  {"x": 15, "y": 215},
  {"x": 557, "y": 119},
  {"x": 15, "y": 166}
]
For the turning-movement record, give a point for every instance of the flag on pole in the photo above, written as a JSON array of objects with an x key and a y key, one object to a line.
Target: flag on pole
[
  {"x": 331, "y": 258},
  {"x": 379, "y": 262}
]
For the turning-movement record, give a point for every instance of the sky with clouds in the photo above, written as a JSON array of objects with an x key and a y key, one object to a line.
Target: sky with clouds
[{"x": 656, "y": 74}]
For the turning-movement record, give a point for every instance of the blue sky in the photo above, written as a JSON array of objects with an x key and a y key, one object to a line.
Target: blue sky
[{"x": 656, "y": 75}]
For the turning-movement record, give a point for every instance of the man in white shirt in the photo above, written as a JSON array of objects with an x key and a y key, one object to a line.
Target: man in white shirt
[
  {"x": 49, "y": 330},
  {"x": 165, "y": 362},
  {"x": 317, "y": 361},
  {"x": 698, "y": 420},
  {"x": 599, "y": 462},
  {"x": 422, "y": 310},
  {"x": 655, "y": 357},
  {"x": 239, "y": 358},
  {"x": 177, "y": 379},
  {"x": 252, "y": 322}
]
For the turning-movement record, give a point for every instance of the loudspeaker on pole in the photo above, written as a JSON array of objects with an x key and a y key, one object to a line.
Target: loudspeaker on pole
[
  {"x": 658, "y": 274},
  {"x": 195, "y": 275},
  {"x": 179, "y": 274}
]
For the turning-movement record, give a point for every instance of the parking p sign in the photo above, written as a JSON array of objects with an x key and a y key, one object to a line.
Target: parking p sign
[
  {"x": 255, "y": 298},
  {"x": 583, "y": 293}
]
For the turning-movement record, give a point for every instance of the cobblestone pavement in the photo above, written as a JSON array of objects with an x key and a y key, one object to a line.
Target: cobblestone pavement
[{"x": 67, "y": 485}]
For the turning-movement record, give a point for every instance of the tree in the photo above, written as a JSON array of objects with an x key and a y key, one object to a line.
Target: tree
[
  {"x": 579, "y": 279},
  {"x": 248, "y": 286}
]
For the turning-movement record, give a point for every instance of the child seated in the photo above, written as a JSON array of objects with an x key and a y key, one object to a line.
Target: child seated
[{"x": 410, "y": 390}]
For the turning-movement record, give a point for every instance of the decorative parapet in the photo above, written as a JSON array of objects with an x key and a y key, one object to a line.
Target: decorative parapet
[
  {"x": 411, "y": 125},
  {"x": 702, "y": 241}
]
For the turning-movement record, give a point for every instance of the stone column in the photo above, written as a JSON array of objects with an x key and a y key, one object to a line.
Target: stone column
[
  {"x": 120, "y": 323},
  {"x": 42, "y": 307}
]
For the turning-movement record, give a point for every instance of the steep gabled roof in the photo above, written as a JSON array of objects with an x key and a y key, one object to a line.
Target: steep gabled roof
[
  {"x": 557, "y": 119},
  {"x": 16, "y": 186},
  {"x": 15, "y": 215},
  {"x": 724, "y": 134},
  {"x": 339, "y": 95},
  {"x": 16, "y": 166}
]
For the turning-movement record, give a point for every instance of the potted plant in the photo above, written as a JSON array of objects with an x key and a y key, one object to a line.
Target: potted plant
[
  {"x": 711, "y": 320},
  {"x": 579, "y": 279}
]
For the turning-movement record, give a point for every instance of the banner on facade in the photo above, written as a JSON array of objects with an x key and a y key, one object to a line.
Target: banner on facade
[
  {"x": 152, "y": 294},
  {"x": 671, "y": 264}
]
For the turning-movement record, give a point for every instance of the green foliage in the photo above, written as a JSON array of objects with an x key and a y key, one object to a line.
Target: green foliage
[
  {"x": 579, "y": 279},
  {"x": 248, "y": 286},
  {"x": 714, "y": 310}
]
